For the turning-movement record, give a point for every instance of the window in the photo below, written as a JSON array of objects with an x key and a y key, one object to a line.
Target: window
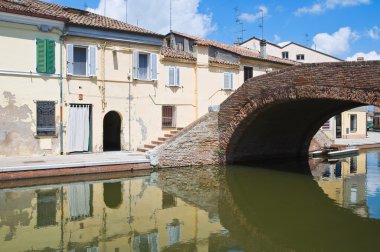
[
  {"x": 248, "y": 73},
  {"x": 353, "y": 123},
  {"x": 353, "y": 164},
  {"x": 228, "y": 81},
  {"x": 46, "y": 208},
  {"x": 45, "y": 118},
  {"x": 285, "y": 55},
  {"x": 300, "y": 57},
  {"x": 173, "y": 76},
  {"x": 179, "y": 46},
  {"x": 144, "y": 66},
  {"x": 168, "y": 116},
  {"x": 81, "y": 60},
  {"x": 168, "y": 200},
  {"x": 174, "y": 232},
  {"x": 45, "y": 50}
]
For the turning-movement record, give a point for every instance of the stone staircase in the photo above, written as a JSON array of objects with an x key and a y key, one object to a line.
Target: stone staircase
[{"x": 168, "y": 133}]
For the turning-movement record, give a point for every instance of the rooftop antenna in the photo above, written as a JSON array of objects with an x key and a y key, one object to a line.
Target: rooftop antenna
[
  {"x": 170, "y": 16},
  {"x": 137, "y": 24},
  {"x": 307, "y": 38},
  {"x": 240, "y": 33},
  {"x": 126, "y": 11},
  {"x": 262, "y": 24},
  {"x": 85, "y": 6}
]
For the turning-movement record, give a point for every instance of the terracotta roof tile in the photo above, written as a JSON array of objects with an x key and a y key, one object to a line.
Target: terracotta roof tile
[
  {"x": 171, "y": 53},
  {"x": 70, "y": 15},
  {"x": 223, "y": 62},
  {"x": 237, "y": 50}
]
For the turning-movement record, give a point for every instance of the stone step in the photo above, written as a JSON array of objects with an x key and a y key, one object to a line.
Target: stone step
[
  {"x": 168, "y": 135},
  {"x": 174, "y": 131},
  {"x": 163, "y": 139},
  {"x": 142, "y": 150},
  {"x": 157, "y": 142},
  {"x": 179, "y": 129},
  {"x": 149, "y": 146}
]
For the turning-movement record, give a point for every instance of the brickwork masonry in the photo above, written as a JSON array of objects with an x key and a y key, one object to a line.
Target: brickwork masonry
[{"x": 197, "y": 144}]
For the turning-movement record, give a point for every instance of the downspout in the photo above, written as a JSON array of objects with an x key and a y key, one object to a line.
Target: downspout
[
  {"x": 196, "y": 91},
  {"x": 60, "y": 96}
]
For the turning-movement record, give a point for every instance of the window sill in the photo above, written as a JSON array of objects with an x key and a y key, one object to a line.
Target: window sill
[
  {"x": 80, "y": 76},
  {"x": 174, "y": 86},
  {"x": 45, "y": 137},
  {"x": 227, "y": 89}
]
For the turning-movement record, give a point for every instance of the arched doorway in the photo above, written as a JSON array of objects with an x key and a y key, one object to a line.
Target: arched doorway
[{"x": 111, "y": 131}]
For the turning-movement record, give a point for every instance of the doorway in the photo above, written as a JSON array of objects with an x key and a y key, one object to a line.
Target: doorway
[
  {"x": 338, "y": 127},
  {"x": 111, "y": 131}
]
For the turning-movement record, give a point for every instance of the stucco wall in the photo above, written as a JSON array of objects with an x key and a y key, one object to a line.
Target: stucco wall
[{"x": 21, "y": 87}]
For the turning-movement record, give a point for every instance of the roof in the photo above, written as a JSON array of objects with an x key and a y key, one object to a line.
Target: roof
[
  {"x": 294, "y": 43},
  {"x": 69, "y": 15},
  {"x": 175, "y": 54},
  {"x": 237, "y": 50}
]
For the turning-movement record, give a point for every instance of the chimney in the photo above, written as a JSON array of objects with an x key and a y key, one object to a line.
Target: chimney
[
  {"x": 263, "y": 48},
  {"x": 360, "y": 59}
]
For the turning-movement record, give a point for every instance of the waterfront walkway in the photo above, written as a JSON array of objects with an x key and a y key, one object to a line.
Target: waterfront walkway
[
  {"x": 371, "y": 141},
  {"x": 37, "y": 166}
]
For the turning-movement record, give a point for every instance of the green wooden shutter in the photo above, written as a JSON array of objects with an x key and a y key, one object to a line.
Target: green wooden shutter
[
  {"x": 41, "y": 55},
  {"x": 50, "y": 56}
]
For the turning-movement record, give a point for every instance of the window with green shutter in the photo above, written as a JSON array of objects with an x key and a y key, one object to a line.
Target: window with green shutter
[{"x": 45, "y": 56}]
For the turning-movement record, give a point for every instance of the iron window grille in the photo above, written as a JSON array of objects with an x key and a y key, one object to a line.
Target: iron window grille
[{"x": 45, "y": 118}]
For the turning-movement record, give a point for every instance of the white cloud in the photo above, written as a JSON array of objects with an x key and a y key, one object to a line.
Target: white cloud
[
  {"x": 338, "y": 42},
  {"x": 372, "y": 55},
  {"x": 276, "y": 38},
  {"x": 154, "y": 15},
  {"x": 374, "y": 33},
  {"x": 282, "y": 44},
  {"x": 320, "y": 7},
  {"x": 250, "y": 18}
]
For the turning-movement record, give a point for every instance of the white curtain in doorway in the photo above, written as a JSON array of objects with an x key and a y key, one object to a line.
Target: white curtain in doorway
[
  {"x": 78, "y": 129},
  {"x": 79, "y": 197}
]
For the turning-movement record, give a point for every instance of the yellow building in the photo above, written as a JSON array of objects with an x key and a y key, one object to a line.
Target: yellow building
[
  {"x": 344, "y": 181},
  {"x": 76, "y": 81},
  {"x": 117, "y": 215},
  {"x": 350, "y": 124}
]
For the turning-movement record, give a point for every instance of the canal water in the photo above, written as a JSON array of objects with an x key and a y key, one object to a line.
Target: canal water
[{"x": 335, "y": 207}]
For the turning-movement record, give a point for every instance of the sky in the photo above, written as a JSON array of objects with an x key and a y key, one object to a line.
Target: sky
[{"x": 343, "y": 28}]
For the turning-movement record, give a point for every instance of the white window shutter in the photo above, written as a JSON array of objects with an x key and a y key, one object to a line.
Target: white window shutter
[
  {"x": 92, "y": 60},
  {"x": 226, "y": 80},
  {"x": 231, "y": 80},
  {"x": 70, "y": 59},
  {"x": 177, "y": 76},
  {"x": 171, "y": 76},
  {"x": 135, "y": 72},
  {"x": 153, "y": 66}
]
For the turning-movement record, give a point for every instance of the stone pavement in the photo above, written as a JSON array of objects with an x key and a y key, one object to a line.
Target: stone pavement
[
  {"x": 373, "y": 138},
  {"x": 34, "y": 163}
]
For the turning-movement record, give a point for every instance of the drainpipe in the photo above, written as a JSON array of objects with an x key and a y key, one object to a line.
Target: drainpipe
[{"x": 60, "y": 97}]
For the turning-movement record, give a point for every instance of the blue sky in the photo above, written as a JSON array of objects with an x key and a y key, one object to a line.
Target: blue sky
[{"x": 342, "y": 28}]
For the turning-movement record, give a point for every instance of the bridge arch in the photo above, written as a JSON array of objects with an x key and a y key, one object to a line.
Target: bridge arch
[{"x": 276, "y": 115}]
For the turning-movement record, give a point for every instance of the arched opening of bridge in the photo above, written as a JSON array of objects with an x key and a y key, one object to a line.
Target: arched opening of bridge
[
  {"x": 111, "y": 131},
  {"x": 282, "y": 129}
]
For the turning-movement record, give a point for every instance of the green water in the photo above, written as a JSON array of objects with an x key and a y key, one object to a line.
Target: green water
[{"x": 336, "y": 207}]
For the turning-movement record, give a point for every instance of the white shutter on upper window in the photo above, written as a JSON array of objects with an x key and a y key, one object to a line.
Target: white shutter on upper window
[
  {"x": 231, "y": 80},
  {"x": 70, "y": 59},
  {"x": 135, "y": 70},
  {"x": 171, "y": 76},
  {"x": 177, "y": 76},
  {"x": 226, "y": 81},
  {"x": 153, "y": 66},
  {"x": 92, "y": 60}
]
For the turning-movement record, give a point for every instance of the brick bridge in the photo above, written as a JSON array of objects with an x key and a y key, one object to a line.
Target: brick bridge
[{"x": 274, "y": 115}]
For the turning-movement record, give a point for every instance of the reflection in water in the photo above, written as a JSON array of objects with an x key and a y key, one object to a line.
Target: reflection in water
[{"x": 205, "y": 209}]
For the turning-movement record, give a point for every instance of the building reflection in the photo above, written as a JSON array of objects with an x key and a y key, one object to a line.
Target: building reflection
[
  {"x": 344, "y": 181},
  {"x": 121, "y": 215}
]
